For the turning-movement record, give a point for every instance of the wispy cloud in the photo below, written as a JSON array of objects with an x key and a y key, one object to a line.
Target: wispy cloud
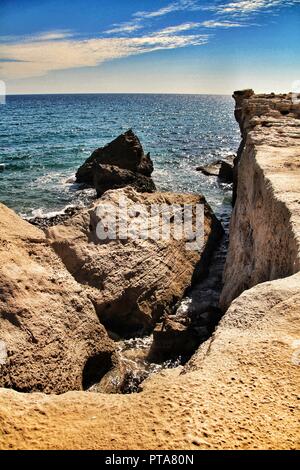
[
  {"x": 53, "y": 35},
  {"x": 180, "y": 5},
  {"x": 250, "y": 6},
  {"x": 38, "y": 57},
  {"x": 43, "y": 36},
  {"x": 140, "y": 17},
  {"x": 126, "y": 28},
  {"x": 221, "y": 24}
]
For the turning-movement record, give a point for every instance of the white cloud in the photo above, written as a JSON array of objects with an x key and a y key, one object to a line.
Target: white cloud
[
  {"x": 44, "y": 36},
  {"x": 221, "y": 24},
  {"x": 250, "y": 6},
  {"x": 172, "y": 7},
  {"x": 126, "y": 28},
  {"x": 38, "y": 57},
  {"x": 53, "y": 35}
]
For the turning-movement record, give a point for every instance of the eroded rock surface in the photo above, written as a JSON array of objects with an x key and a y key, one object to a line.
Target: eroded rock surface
[
  {"x": 241, "y": 388},
  {"x": 50, "y": 335},
  {"x": 264, "y": 233},
  {"x": 132, "y": 282}
]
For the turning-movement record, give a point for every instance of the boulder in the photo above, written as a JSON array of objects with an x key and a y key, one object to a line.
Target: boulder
[
  {"x": 210, "y": 170},
  {"x": 180, "y": 337},
  {"x": 132, "y": 282},
  {"x": 223, "y": 169},
  {"x": 124, "y": 153},
  {"x": 50, "y": 337}
]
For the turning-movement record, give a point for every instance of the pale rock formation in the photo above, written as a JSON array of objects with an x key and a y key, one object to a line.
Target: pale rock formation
[
  {"x": 50, "y": 336},
  {"x": 132, "y": 282},
  {"x": 264, "y": 233},
  {"x": 240, "y": 391}
]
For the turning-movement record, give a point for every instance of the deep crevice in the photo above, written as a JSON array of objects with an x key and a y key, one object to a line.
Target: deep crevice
[{"x": 95, "y": 368}]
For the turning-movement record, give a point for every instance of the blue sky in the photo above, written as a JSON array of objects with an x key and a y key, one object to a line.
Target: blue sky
[{"x": 180, "y": 46}]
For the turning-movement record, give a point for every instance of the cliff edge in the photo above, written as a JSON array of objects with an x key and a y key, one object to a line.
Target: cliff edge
[{"x": 264, "y": 232}]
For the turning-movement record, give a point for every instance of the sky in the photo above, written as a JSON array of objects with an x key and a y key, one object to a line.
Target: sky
[{"x": 149, "y": 46}]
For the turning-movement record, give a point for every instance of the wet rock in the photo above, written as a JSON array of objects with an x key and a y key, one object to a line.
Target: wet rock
[
  {"x": 119, "y": 163},
  {"x": 172, "y": 339},
  {"x": 210, "y": 170},
  {"x": 226, "y": 171},
  {"x": 112, "y": 177},
  {"x": 45, "y": 222},
  {"x": 223, "y": 169}
]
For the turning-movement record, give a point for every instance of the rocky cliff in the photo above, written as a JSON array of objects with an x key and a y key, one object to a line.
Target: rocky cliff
[
  {"x": 264, "y": 233},
  {"x": 240, "y": 389}
]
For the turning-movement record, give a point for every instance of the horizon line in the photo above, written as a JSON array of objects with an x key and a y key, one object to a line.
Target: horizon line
[{"x": 117, "y": 93}]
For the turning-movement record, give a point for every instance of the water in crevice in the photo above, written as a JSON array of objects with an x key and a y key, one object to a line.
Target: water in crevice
[{"x": 131, "y": 367}]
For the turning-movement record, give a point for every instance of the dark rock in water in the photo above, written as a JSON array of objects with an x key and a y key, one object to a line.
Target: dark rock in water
[
  {"x": 223, "y": 169},
  {"x": 2, "y": 167},
  {"x": 172, "y": 339},
  {"x": 124, "y": 153},
  {"x": 226, "y": 172},
  {"x": 45, "y": 222},
  {"x": 112, "y": 177},
  {"x": 210, "y": 170}
]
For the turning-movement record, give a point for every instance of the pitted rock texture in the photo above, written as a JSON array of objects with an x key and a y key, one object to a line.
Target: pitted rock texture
[
  {"x": 240, "y": 391},
  {"x": 49, "y": 329},
  {"x": 132, "y": 282}
]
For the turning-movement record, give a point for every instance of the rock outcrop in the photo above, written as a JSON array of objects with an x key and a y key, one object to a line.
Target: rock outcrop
[
  {"x": 120, "y": 163},
  {"x": 133, "y": 281},
  {"x": 50, "y": 336},
  {"x": 112, "y": 177},
  {"x": 241, "y": 389},
  {"x": 264, "y": 233},
  {"x": 223, "y": 169}
]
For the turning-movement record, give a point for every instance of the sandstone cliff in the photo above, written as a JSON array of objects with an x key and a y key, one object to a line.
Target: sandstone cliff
[{"x": 264, "y": 233}]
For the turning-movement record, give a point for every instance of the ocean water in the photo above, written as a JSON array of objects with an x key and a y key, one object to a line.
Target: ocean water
[{"x": 45, "y": 138}]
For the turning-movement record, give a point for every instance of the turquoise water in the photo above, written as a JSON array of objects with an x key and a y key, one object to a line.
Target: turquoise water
[{"x": 44, "y": 138}]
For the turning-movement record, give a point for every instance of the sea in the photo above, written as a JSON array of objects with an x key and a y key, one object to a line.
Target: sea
[{"x": 45, "y": 138}]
